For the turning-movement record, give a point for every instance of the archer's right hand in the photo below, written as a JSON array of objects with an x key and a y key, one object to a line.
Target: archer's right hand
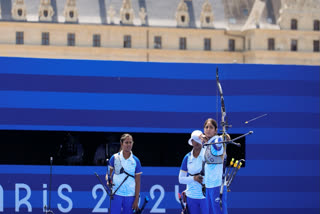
[
  {"x": 109, "y": 181},
  {"x": 204, "y": 138},
  {"x": 198, "y": 178}
]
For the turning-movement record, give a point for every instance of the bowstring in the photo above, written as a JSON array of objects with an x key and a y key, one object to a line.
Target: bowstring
[
  {"x": 217, "y": 108},
  {"x": 217, "y": 105}
]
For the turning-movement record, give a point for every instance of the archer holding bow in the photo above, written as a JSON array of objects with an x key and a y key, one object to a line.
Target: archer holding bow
[
  {"x": 126, "y": 170},
  {"x": 214, "y": 159}
]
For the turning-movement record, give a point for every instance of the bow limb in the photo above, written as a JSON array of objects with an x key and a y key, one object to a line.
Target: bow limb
[
  {"x": 223, "y": 108},
  {"x": 224, "y": 133}
]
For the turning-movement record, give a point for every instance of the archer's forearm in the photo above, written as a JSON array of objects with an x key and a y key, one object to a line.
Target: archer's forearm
[{"x": 137, "y": 189}]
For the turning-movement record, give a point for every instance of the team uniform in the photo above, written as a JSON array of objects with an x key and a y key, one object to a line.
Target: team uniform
[
  {"x": 190, "y": 167},
  {"x": 213, "y": 156},
  {"x": 125, "y": 192}
]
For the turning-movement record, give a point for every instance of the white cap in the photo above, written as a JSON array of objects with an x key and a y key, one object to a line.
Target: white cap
[{"x": 195, "y": 136}]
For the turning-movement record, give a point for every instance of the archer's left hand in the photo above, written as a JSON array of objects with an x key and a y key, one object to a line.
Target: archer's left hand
[{"x": 135, "y": 204}]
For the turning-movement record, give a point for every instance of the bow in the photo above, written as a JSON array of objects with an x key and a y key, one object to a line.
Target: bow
[
  {"x": 224, "y": 125},
  {"x": 225, "y": 141}
]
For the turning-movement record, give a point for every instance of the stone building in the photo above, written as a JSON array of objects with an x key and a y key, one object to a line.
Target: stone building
[{"x": 198, "y": 31}]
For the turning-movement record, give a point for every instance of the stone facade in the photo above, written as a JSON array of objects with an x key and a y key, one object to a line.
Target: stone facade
[{"x": 262, "y": 43}]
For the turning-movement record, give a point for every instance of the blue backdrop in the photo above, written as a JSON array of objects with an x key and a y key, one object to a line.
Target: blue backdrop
[{"x": 282, "y": 166}]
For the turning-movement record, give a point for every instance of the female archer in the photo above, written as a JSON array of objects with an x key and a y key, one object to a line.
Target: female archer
[
  {"x": 214, "y": 158},
  {"x": 126, "y": 178},
  {"x": 191, "y": 174}
]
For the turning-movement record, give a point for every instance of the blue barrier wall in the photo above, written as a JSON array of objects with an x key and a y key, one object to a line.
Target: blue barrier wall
[{"x": 282, "y": 166}]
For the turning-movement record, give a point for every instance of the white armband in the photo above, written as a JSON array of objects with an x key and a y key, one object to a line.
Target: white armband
[{"x": 184, "y": 179}]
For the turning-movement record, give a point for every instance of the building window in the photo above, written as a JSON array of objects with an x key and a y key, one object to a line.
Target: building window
[
  {"x": 249, "y": 44},
  {"x": 45, "y": 13},
  {"x": 96, "y": 40},
  {"x": 183, "y": 19},
  {"x": 316, "y": 45},
  {"x": 71, "y": 39},
  {"x": 316, "y": 25},
  {"x": 127, "y": 41},
  {"x": 208, "y": 19},
  {"x": 127, "y": 16},
  {"x": 271, "y": 44},
  {"x": 183, "y": 43},
  {"x": 207, "y": 44},
  {"x": 71, "y": 14},
  {"x": 157, "y": 42},
  {"x": 45, "y": 38},
  {"x": 294, "y": 24},
  {"x": 294, "y": 45},
  {"x": 245, "y": 12},
  {"x": 20, "y": 12},
  {"x": 232, "y": 45},
  {"x": 19, "y": 38}
]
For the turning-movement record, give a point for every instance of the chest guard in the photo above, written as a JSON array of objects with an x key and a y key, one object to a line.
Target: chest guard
[
  {"x": 118, "y": 168},
  {"x": 212, "y": 159}
]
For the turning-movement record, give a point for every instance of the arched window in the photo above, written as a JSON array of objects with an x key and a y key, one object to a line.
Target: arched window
[
  {"x": 183, "y": 19},
  {"x": 126, "y": 13},
  {"x": 208, "y": 19},
  {"x": 19, "y": 11},
  {"x": 71, "y": 14},
  {"x": 70, "y": 11},
  {"x": 182, "y": 14}
]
